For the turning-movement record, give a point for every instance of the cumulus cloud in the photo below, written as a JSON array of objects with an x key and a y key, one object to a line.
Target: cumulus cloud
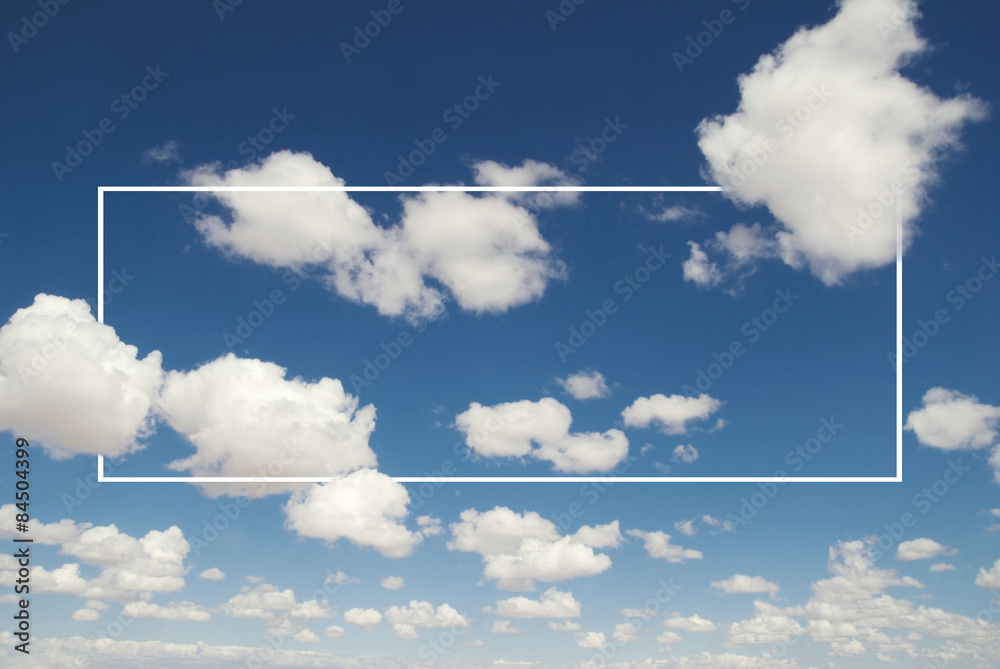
[
  {"x": 770, "y": 625},
  {"x": 540, "y": 430},
  {"x": 693, "y": 623},
  {"x": 334, "y": 631},
  {"x": 183, "y": 612},
  {"x": 85, "y": 615},
  {"x": 260, "y": 602},
  {"x": 213, "y": 574},
  {"x": 365, "y": 507},
  {"x": 245, "y": 418},
  {"x": 689, "y": 527},
  {"x": 486, "y": 252},
  {"x": 366, "y": 618},
  {"x": 741, "y": 583},
  {"x": 391, "y": 582},
  {"x": 922, "y": 549},
  {"x": 405, "y": 619},
  {"x": 528, "y": 173},
  {"x": 585, "y": 385},
  {"x": 698, "y": 269},
  {"x": 593, "y": 640},
  {"x": 685, "y": 453},
  {"x": 57, "y": 360},
  {"x": 942, "y": 566},
  {"x": 989, "y": 578},
  {"x": 829, "y": 135},
  {"x": 671, "y": 414},
  {"x": 305, "y": 636},
  {"x": 519, "y": 549},
  {"x": 950, "y": 421},
  {"x": 504, "y": 627},
  {"x": 658, "y": 545},
  {"x": 565, "y": 626},
  {"x": 626, "y": 633},
  {"x": 552, "y": 604}
]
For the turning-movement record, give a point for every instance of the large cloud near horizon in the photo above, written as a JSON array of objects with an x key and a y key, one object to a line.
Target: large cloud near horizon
[{"x": 825, "y": 126}]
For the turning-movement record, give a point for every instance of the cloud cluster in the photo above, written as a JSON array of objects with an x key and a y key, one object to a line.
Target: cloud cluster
[
  {"x": 830, "y": 136},
  {"x": 585, "y": 385},
  {"x": 519, "y": 549},
  {"x": 540, "y": 430},
  {"x": 657, "y": 545},
  {"x": 485, "y": 252},
  {"x": 950, "y": 420},
  {"x": 406, "y": 619},
  {"x": 552, "y": 604},
  {"x": 671, "y": 414}
]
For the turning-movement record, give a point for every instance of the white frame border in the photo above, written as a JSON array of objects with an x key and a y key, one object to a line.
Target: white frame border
[{"x": 101, "y": 190}]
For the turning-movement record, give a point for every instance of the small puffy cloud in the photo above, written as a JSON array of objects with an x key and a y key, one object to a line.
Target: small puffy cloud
[
  {"x": 685, "y": 453},
  {"x": 334, "y": 631},
  {"x": 367, "y": 618},
  {"x": 989, "y": 578},
  {"x": 565, "y": 626},
  {"x": 485, "y": 251},
  {"x": 213, "y": 574},
  {"x": 922, "y": 549},
  {"x": 504, "y": 627},
  {"x": 686, "y": 527},
  {"x": 942, "y": 566},
  {"x": 585, "y": 385},
  {"x": 671, "y": 414},
  {"x": 693, "y": 623},
  {"x": 626, "y": 633},
  {"x": 552, "y": 604},
  {"x": 306, "y": 636},
  {"x": 183, "y": 612},
  {"x": 668, "y": 638},
  {"x": 741, "y": 583},
  {"x": 512, "y": 429},
  {"x": 829, "y": 135},
  {"x": 244, "y": 418},
  {"x": 405, "y": 619},
  {"x": 528, "y": 173},
  {"x": 770, "y": 625},
  {"x": 365, "y": 507},
  {"x": 951, "y": 421},
  {"x": 260, "y": 602},
  {"x": 658, "y": 545},
  {"x": 391, "y": 582},
  {"x": 699, "y": 269},
  {"x": 429, "y": 526},
  {"x": 340, "y": 578},
  {"x": 85, "y": 615},
  {"x": 593, "y": 640},
  {"x": 96, "y": 604},
  {"x": 519, "y": 549},
  {"x": 168, "y": 152},
  {"x": 57, "y": 360}
]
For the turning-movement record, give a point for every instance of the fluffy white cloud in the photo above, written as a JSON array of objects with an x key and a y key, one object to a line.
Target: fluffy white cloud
[
  {"x": 585, "y": 385},
  {"x": 528, "y": 173},
  {"x": 741, "y": 583},
  {"x": 989, "y": 578},
  {"x": 626, "y": 633},
  {"x": 367, "y": 618},
  {"x": 511, "y": 429},
  {"x": 950, "y": 421},
  {"x": 51, "y": 534},
  {"x": 85, "y": 615},
  {"x": 306, "y": 636},
  {"x": 922, "y": 549},
  {"x": 552, "y": 604},
  {"x": 594, "y": 640},
  {"x": 365, "y": 507},
  {"x": 486, "y": 251},
  {"x": 685, "y": 453},
  {"x": 668, "y": 638},
  {"x": 671, "y": 414},
  {"x": 564, "y": 626},
  {"x": 770, "y": 625},
  {"x": 334, "y": 631},
  {"x": 391, "y": 582},
  {"x": 405, "y": 619},
  {"x": 693, "y": 623},
  {"x": 246, "y": 419},
  {"x": 213, "y": 574},
  {"x": 829, "y": 135},
  {"x": 942, "y": 566},
  {"x": 519, "y": 549},
  {"x": 504, "y": 627},
  {"x": 57, "y": 360},
  {"x": 183, "y": 612},
  {"x": 699, "y": 269},
  {"x": 261, "y": 602},
  {"x": 658, "y": 545}
]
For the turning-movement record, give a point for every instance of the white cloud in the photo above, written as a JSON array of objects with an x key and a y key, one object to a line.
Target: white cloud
[
  {"x": 57, "y": 360},
  {"x": 504, "y": 627},
  {"x": 674, "y": 213},
  {"x": 668, "y": 638},
  {"x": 671, "y": 414},
  {"x": 693, "y": 623},
  {"x": 741, "y": 583},
  {"x": 770, "y": 625},
  {"x": 183, "y": 612},
  {"x": 685, "y": 453},
  {"x": 564, "y": 626},
  {"x": 626, "y": 633},
  {"x": 552, "y": 604},
  {"x": 245, "y": 418},
  {"x": 213, "y": 574},
  {"x": 519, "y": 549},
  {"x": 334, "y": 631},
  {"x": 989, "y": 578},
  {"x": 942, "y": 566},
  {"x": 922, "y": 549},
  {"x": 51, "y": 534},
  {"x": 365, "y": 507},
  {"x": 391, "y": 582},
  {"x": 85, "y": 615},
  {"x": 306, "y": 636},
  {"x": 825, "y": 126},
  {"x": 690, "y": 527},
  {"x": 658, "y": 545},
  {"x": 699, "y": 269},
  {"x": 585, "y": 385},
  {"x": 686, "y": 527},
  {"x": 509, "y": 430},
  {"x": 260, "y": 602},
  {"x": 168, "y": 152},
  {"x": 528, "y": 173},
  {"x": 594, "y": 640},
  {"x": 486, "y": 251},
  {"x": 367, "y": 618},
  {"x": 950, "y": 421},
  {"x": 405, "y": 619},
  {"x": 340, "y": 578}
]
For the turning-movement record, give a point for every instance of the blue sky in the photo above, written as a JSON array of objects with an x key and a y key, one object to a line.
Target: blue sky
[{"x": 365, "y": 336}]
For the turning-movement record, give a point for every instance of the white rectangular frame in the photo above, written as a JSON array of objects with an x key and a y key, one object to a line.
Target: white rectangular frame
[{"x": 101, "y": 190}]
